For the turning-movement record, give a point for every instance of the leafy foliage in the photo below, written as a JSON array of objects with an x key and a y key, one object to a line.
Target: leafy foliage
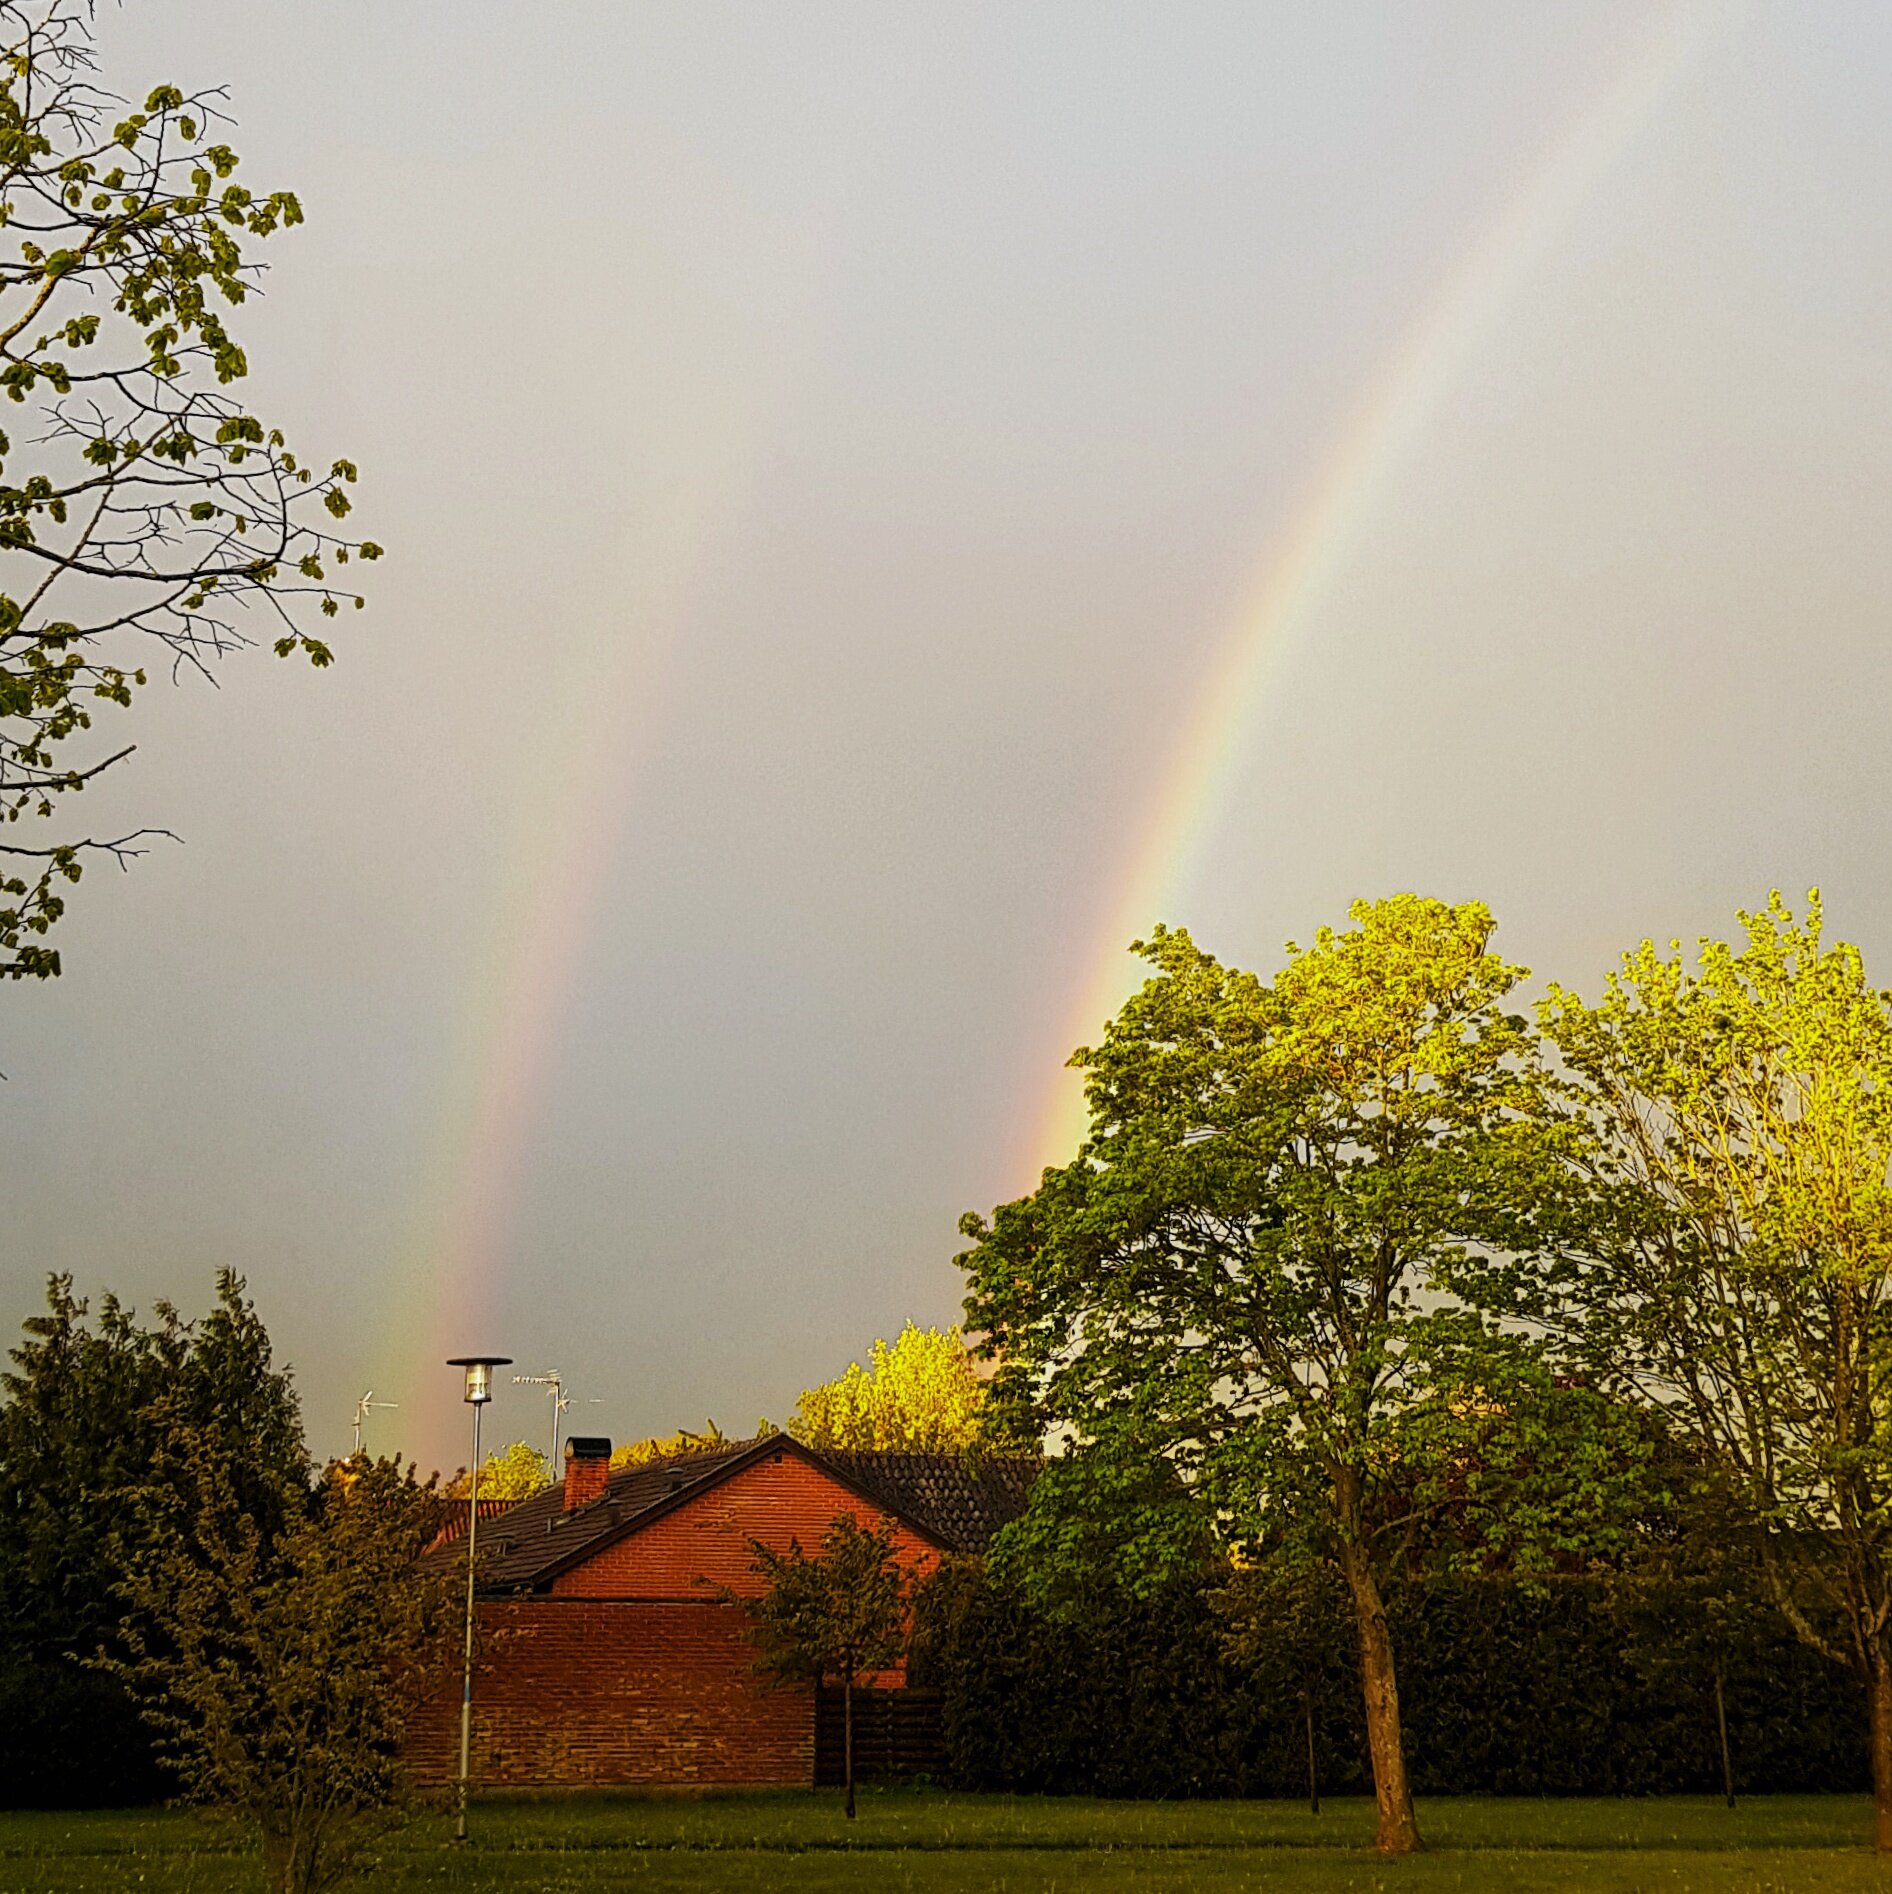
[
  {"x": 1247, "y": 1269},
  {"x": 1098, "y": 1522},
  {"x": 516, "y": 1471},
  {"x": 837, "y": 1617},
  {"x": 920, "y": 1394},
  {"x": 1509, "y": 1688},
  {"x": 655, "y": 1447},
  {"x": 86, "y": 1403},
  {"x": 278, "y": 1666},
  {"x": 1733, "y": 1265},
  {"x": 1087, "y": 1690},
  {"x": 145, "y": 510}
]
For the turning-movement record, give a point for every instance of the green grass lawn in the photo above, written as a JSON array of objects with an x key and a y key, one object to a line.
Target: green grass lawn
[{"x": 927, "y": 1841}]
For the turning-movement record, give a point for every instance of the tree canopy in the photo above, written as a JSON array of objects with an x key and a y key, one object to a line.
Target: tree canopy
[
  {"x": 278, "y": 1666},
  {"x": 655, "y": 1447},
  {"x": 1255, "y": 1265},
  {"x": 147, "y": 514},
  {"x": 1731, "y": 1133},
  {"x": 515, "y": 1471},
  {"x": 921, "y": 1393},
  {"x": 87, "y": 1401}
]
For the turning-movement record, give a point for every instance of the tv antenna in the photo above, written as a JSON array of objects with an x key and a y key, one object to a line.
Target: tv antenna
[
  {"x": 363, "y": 1408},
  {"x": 554, "y": 1383}
]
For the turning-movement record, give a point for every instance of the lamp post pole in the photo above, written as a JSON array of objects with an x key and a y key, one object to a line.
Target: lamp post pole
[{"x": 479, "y": 1390}]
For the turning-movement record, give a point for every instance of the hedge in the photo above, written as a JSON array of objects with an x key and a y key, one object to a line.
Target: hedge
[
  {"x": 1505, "y": 1690},
  {"x": 71, "y": 1738}
]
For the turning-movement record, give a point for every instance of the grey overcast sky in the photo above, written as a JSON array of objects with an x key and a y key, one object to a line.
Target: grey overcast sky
[{"x": 828, "y": 456}]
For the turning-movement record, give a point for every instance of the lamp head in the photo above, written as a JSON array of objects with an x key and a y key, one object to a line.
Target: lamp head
[{"x": 479, "y": 1375}]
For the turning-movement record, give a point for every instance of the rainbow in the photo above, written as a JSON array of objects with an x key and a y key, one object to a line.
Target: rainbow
[
  {"x": 1302, "y": 563},
  {"x": 515, "y": 995}
]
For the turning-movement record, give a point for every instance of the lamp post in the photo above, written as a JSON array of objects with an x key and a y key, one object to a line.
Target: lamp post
[{"x": 479, "y": 1390}]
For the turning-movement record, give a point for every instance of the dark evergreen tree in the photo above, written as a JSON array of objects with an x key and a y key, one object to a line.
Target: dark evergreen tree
[{"x": 86, "y": 1403}]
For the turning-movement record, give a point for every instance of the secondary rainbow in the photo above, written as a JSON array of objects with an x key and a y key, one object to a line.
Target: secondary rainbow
[
  {"x": 515, "y": 996},
  {"x": 1304, "y": 557}
]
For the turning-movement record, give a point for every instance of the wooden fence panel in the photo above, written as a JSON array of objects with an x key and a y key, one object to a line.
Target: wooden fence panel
[{"x": 898, "y": 1734}]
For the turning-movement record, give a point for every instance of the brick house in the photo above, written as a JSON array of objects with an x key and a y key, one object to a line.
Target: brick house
[{"x": 607, "y": 1654}]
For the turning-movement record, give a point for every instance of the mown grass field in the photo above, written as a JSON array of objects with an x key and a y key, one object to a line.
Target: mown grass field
[{"x": 928, "y": 1841}]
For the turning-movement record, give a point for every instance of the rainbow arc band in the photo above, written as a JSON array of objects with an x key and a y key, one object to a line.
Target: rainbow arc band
[{"x": 1432, "y": 361}]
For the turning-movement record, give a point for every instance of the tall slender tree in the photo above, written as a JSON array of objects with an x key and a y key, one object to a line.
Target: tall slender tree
[{"x": 1730, "y": 1133}]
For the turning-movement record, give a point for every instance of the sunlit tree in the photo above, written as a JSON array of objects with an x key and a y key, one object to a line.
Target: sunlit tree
[
  {"x": 1732, "y": 1138},
  {"x": 516, "y": 1471},
  {"x": 1246, "y": 1269},
  {"x": 920, "y": 1394},
  {"x": 655, "y": 1447}
]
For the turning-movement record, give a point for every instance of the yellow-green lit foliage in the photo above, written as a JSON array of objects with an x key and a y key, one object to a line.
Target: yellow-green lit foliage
[
  {"x": 921, "y": 1394},
  {"x": 514, "y": 1472}
]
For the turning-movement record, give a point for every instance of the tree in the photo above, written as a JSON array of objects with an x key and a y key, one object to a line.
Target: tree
[
  {"x": 514, "y": 1472},
  {"x": 1230, "y": 1272},
  {"x": 71, "y": 1435},
  {"x": 279, "y": 1668},
  {"x": 840, "y": 1615},
  {"x": 145, "y": 511},
  {"x": 1286, "y": 1627},
  {"x": 922, "y": 1394},
  {"x": 78, "y": 1427},
  {"x": 1730, "y": 1134}
]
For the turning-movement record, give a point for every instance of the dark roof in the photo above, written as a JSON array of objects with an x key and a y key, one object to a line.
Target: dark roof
[
  {"x": 535, "y": 1540},
  {"x": 956, "y": 1502}
]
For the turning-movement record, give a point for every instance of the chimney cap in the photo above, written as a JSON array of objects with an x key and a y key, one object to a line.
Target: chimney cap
[{"x": 588, "y": 1447}]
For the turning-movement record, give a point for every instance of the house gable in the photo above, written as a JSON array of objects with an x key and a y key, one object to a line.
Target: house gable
[{"x": 701, "y": 1544}]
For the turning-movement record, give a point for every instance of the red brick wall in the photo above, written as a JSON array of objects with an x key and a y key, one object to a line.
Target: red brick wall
[
  {"x": 706, "y": 1544},
  {"x": 633, "y": 1671},
  {"x": 599, "y": 1691}
]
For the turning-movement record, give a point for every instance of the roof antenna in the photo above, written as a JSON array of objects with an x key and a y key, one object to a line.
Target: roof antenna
[
  {"x": 363, "y": 1408},
  {"x": 552, "y": 1380}
]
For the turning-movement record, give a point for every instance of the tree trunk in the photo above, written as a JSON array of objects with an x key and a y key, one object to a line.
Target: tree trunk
[
  {"x": 1721, "y": 1723},
  {"x": 1880, "y": 1684},
  {"x": 1313, "y": 1777},
  {"x": 847, "y": 1738},
  {"x": 1398, "y": 1831}
]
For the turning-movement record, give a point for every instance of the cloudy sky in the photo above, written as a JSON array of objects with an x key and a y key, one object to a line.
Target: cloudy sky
[{"x": 883, "y": 504}]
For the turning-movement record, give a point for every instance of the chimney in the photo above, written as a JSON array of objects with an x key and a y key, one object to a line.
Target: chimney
[{"x": 587, "y": 1466}]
